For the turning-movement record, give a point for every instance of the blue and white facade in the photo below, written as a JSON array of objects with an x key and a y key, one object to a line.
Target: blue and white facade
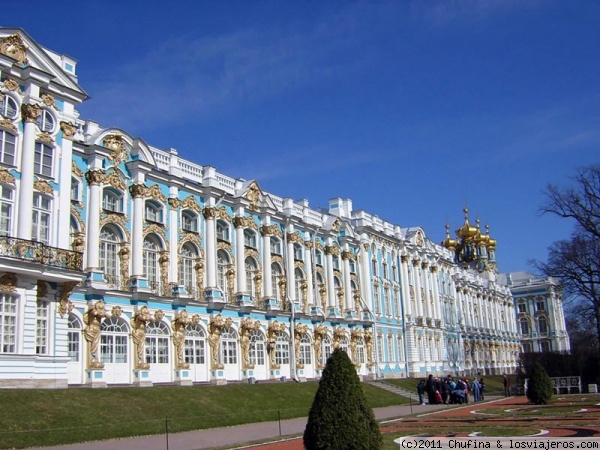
[{"x": 121, "y": 263}]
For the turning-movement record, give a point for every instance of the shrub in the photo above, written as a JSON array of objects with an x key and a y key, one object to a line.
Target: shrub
[
  {"x": 340, "y": 418},
  {"x": 539, "y": 386}
]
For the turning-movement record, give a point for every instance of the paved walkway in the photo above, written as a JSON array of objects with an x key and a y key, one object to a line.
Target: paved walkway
[{"x": 229, "y": 436}]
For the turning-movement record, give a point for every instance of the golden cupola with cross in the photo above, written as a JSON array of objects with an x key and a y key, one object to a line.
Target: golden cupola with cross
[{"x": 472, "y": 248}]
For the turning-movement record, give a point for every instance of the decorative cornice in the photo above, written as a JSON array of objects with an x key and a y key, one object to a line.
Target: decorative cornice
[
  {"x": 45, "y": 137},
  {"x": 332, "y": 250},
  {"x": 346, "y": 254},
  {"x": 253, "y": 195},
  {"x": 11, "y": 85},
  {"x": 8, "y": 125},
  {"x": 209, "y": 212},
  {"x": 65, "y": 306},
  {"x": 271, "y": 230},
  {"x": 114, "y": 179},
  {"x": 243, "y": 222},
  {"x": 137, "y": 190},
  {"x": 190, "y": 203},
  {"x": 116, "y": 145},
  {"x": 94, "y": 177},
  {"x": 155, "y": 193},
  {"x": 42, "y": 186},
  {"x": 68, "y": 129},
  {"x": 6, "y": 177},
  {"x": 48, "y": 100},
  {"x": 294, "y": 237}
]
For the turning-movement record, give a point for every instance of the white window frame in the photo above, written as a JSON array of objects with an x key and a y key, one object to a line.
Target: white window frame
[
  {"x": 195, "y": 345},
  {"x": 113, "y": 200},
  {"x": 157, "y": 343},
  {"x": 43, "y": 160},
  {"x": 189, "y": 221},
  {"x": 8, "y": 148},
  {"x": 114, "y": 341},
  {"x": 41, "y": 220},
  {"x": 6, "y": 209},
  {"x": 7, "y": 105}
]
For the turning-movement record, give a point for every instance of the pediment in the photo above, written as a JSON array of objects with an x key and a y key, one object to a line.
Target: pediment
[
  {"x": 18, "y": 45},
  {"x": 256, "y": 197}
]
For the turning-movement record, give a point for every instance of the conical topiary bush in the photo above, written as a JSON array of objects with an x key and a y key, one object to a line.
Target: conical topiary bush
[
  {"x": 340, "y": 418},
  {"x": 539, "y": 385}
]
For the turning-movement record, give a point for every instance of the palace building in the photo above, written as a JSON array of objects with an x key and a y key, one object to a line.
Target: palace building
[{"x": 121, "y": 263}]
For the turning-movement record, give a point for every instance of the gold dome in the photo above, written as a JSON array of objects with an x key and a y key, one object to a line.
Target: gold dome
[
  {"x": 490, "y": 243},
  {"x": 449, "y": 243},
  {"x": 467, "y": 231}
]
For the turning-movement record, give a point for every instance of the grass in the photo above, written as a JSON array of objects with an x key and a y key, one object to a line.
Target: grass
[{"x": 54, "y": 417}]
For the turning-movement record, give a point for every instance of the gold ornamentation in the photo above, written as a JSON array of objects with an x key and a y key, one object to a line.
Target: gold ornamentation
[
  {"x": 253, "y": 195},
  {"x": 76, "y": 170},
  {"x": 155, "y": 193},
  {"x": 45, "y": 138},
  {"x": 433, "y": 269},
  {"x": 138, "y": 335},
  {"x": 8, "y": 282},
  {"x": 124, "y": 256},
  {"x": 335, "y": 226},
  {"x": 215, "y": 327},
  {"x": 30, "y": 112},
  {"x": 246, "y": 327},
  {"x": 11, "y": 85},
  {"x": 356, "y": 337},
  {"x": 42, "y": 186},
  {"x": 6, "y": 177},
  {"x": 274, "y": 329},
  {"x": 230, "y": 275},
  {"x": 369, "y": 345},
  {"x": 318, "y": 334},
  {"x": 332, "y": 250},
  {"x": 94, "y": 177},
  {"x": 341, "y": 298},
  {"x": 163, "y": 261},
  {"x": 48, "y": 100},
  {"x": 257, "y": 287},
  {"x": 304, "y": 291},
  {"x": 318, "y": 245},
  {"x": 116, "y": 311},
  {"x": 42, "y": 289},
  {"x": 65, "y": 305},
  {"x": 419, "y": 239},
  {"x": 180, "y": 321},
  {"x": 209, "y": 212},
  {"x": 173, "y": 202},
  {"x": 68, "y": 129},
  {"x": 308, "y": 244},
  {"x": 116, "y": 145},
  {"x": 8, "y": 125},
  {"x": 299, "y": 331},
  {"x": 415, "y": 263},
  {"x": 223, "y": 214},
  {"x": 78, "y": 242},
  {"x": 137, "y": 190},
  {"x": 243, "y": 222},
  {"x": 116, "y": 219},
  {"x": 157, "y": 229},
  {"x": 93, "y": 318},
  {"x": 14, "y": 47},
  {"x": 282, "y": 291},
  {"x": 295, "y": 237},
  {"x": 339, "y": 334},
  {"x": 424, "y": 265},
  {"x": 114, "y": 179},
  {"x": 346, "y": 254},
  {"x": 271, "y": 230},
  {"x": 199, "y": 268}
]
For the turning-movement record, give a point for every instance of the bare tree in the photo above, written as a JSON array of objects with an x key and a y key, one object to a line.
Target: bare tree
[{"x": 581, "y": 202}]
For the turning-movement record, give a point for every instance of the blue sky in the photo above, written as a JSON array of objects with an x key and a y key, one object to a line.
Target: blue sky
[{"x": 410, "y": 108}]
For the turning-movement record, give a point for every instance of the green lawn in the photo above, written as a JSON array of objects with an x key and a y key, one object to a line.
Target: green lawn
[{"x": 52, "y": 417}]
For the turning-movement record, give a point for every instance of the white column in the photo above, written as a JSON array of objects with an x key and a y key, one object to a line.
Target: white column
[
  {"x": 417, "y": 287},
  {"x": 309, "y": 272},
  {"x": 267, "y": 275},
  {"x": 29, "y": 113},
  {"x": 365, "y": 276},
  {"x": 240, "y": 269},
  {"x": 331, "y": 297},
  {"x": 137, "y": 192},
  {"x": 436, "y": 293},
  {"x": 173, "y": 238},
  {"x": 425, "y": 287},
  {"x": 405, "y": 285},
  {"x": 64, "y": 200},
  {"x": 289, "y": 266},
  {"x": 94, "y": 179},
  {"x": 346, "y": 255},
  {"x": 211, "y": 250}
]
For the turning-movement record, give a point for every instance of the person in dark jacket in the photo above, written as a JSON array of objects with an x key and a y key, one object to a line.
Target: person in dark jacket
[{"x": 421, "y": 392}]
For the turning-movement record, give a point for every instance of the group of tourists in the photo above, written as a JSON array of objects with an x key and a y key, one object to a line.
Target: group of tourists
[{"x": 449, "y": 390}]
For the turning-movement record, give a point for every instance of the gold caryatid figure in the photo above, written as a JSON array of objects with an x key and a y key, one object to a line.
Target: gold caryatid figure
[{"x": 92, "y": 319}]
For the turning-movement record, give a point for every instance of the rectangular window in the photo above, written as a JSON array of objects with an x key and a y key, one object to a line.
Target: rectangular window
[
  {"x": 229, "y": 352},
  {"x": 41, "y": 328},
  {"x": 8, "y": 324},
  {"x": 6, "y": 198},
  {"x": 282, "y": 352},
  {"x": 7, "y": 147},
  {"x": 73, "y": 343},
  {"x": 194, "y": 351},
  {"x": 41, "y": 219},
  {"x": 43, "y": 159},
  {"x": 121, "y": 349},
  {"x": 360, "y": 354},
  {"x": 163, "y": 350},
  {"x": 376, "y": 304},
  {"x": 305, "y": 355},
  {"x": 257, "y": 353},
  {"x": 380, "y": 348}
]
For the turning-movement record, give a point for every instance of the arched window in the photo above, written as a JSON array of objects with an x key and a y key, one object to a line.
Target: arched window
[
  {"x": 6, "y": 210},
  {"x": 157, "y": 343},
  {"x": 299, "y": 280},
  {"x": 195, "y": 345},
  {"x": 154, "y": 211},
  {"x": 189, "y": 221},
  {"x": 223, "y": 262},
  {"x": 187, "y": 260},
  {"x": 8, "y": 145},
  {"x": 251, "y": 270},
  {"x": 228, "y": 346},
  {"x": 112, "y": 200},
  {"x": 282, "y": 348},
  {"x": 275, "y": 246},
  {"x": 113, "y": 340},
  {"x": 43, "y": 159},
  {"x": 8, "y": 107},
  {"x": 109, "y": 250},
  {"x": 257, "y": 348},
  {"x": 305, "y": 356},
  {"x": 250, "y": 239},
  {"x": 46, "y": 122},
  {"x": 222, "y": 231},
  {"x": 152, "y": 248},
  {"x": 42, "y": 206},
  {"x": 74, "y": 337},
  {"x": 276, "y": 277},
  {"x": 298, "y": 252}
]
